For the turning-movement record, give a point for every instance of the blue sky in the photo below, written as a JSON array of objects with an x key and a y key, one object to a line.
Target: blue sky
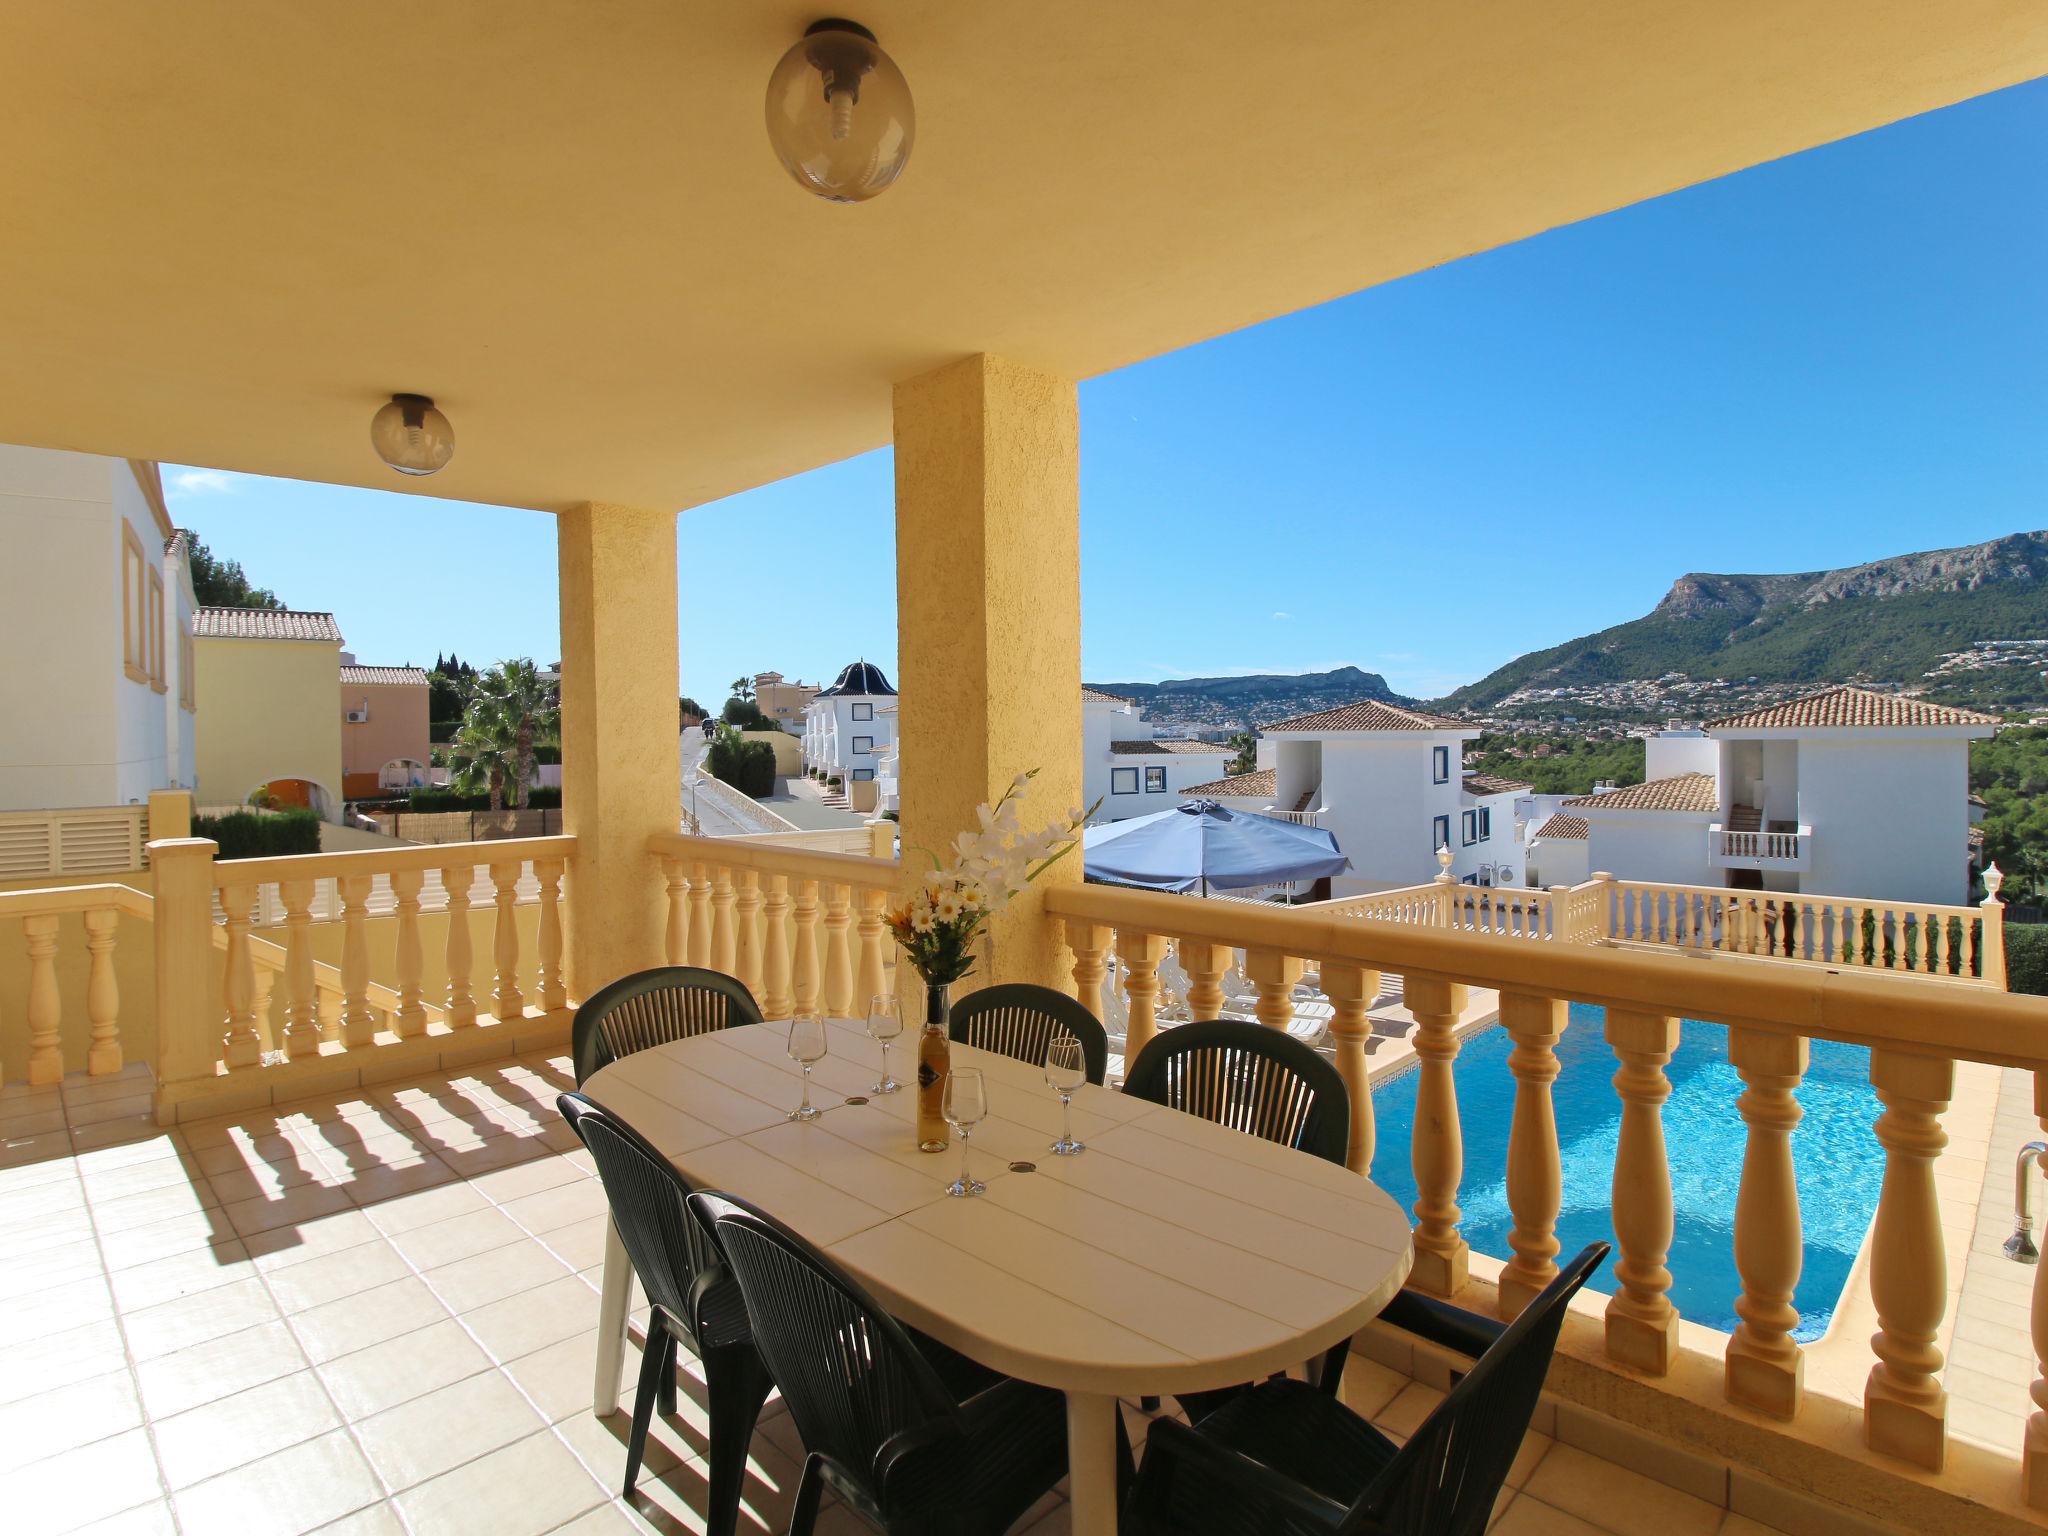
[{"x": 1829, "y": 359}]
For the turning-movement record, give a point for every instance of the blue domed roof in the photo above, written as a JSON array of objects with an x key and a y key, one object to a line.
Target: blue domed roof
[{"x": 860, "y": 677}]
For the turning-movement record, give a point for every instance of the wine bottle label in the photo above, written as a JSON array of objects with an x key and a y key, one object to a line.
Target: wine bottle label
[{"x": 926, "y": 1074}]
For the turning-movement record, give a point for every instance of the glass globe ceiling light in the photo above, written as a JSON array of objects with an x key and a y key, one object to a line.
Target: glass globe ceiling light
[
  {"x": 839, "y": 113},
  {"x": 411, "y": 436}
]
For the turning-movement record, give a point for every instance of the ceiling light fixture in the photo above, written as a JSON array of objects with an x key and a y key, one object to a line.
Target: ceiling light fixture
[
  {"x": 839, "y": 113},
  {"x": 411, "y": 436}
]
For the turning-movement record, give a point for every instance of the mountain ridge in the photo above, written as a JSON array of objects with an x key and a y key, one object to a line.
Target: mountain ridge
[
  {"x": 1256, "y": 698},
  {"x": 1892, "y": 621}
]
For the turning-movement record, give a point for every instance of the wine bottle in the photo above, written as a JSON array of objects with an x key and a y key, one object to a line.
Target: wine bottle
[{"x": 934, "y": 1060}]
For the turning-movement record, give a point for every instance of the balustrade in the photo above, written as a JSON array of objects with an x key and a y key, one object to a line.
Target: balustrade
[
  {"x": 42, "y": 915},
  {"x": 1771, "y": 1012}
]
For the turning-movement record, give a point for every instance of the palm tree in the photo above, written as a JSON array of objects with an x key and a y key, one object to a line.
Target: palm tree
[
  {"x": 509, "y": 710},
  {"x": 481, "y": 757},
  {"x": 743, "y": 688}
]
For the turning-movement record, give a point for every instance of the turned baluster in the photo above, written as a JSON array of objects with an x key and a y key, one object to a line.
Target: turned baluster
[
  {"x": 239, "y": 1047},
  {"x": 1764, "y": 1368},
  {"x": 1273, "y": 975},
  {"x": 805, "y": 982},
  {"x": 553, "y": 986},
  {"x": 1535, "y": 1175},
  {"x": 872, "y": 978},
  {"x": 507, "y": 1001},
  {"x": 1141, "y": 953},
  {"x": 1205, "y": 964},
  {"x": 676, "y": 940},
  {"x": 1905, "y": 1408},
  {"x": 301, "y": 1003},
  {"x": 2034, "y": 1451},
  {"x": 455, "y": 880},
  {"x": 746, "y": 914},
  {"x": 1090, "y": 944},
  {"x": 1437, "y": 1148},
  {"x": 1642, "y": 1324},
  {"x": 358, "y": 1018},
  {"x": 45, "y": 1009},
  {"x": 1351, "y": 989},
  {"x": 700, "y": 914},
  {"x": 102, "y": 993},
  {"x": 838, "y": 999},
  {"x": 724, "y": 936},
  {"x": 409, "y": 961},
  {"x": 777, "y": 1001}
]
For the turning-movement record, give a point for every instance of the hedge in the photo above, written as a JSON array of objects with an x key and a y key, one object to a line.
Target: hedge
[
  {"x": 2026, "y": 958},
  {"x": 538, "y": 798},
  {"x": 748, "y": 766},
  {"x": 261, "y": 834}
]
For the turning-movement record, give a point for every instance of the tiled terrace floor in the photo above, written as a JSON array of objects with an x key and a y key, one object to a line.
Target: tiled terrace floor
[{"x": 377, "y": 1315}]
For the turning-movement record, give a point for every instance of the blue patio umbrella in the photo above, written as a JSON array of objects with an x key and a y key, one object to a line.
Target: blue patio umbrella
[{"x": 1201, "y": 843}]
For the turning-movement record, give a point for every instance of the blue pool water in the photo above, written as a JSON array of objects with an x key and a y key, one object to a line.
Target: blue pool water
[{"x": 1835, "y": 1154}]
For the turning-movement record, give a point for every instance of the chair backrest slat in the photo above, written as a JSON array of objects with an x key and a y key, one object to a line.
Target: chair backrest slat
[
  {"x": 649, "y": 1201},
  {"x": 650, "y": 1008},
  {"x": 1250, "y": 1078},
  {"x": 849, "y": 1373},
  {"x": 1444, "y": 1480},
  {"x": 1019, "y": 1020}
]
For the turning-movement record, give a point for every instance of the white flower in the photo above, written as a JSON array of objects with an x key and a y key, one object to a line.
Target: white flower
[
  {"x": 947, "y": 907},
  {"x": 1020, "y": 783},
  {"x": 921, "y": 920}
]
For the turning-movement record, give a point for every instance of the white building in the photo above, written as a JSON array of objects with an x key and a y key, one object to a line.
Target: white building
[
  {"x": 1128, "y": 769},
  {"x": 96, "y": 604},
  {"x": 1389, "y": 783},
  {"x": 1846, "y": 792},
  {"x": 845, "y": 731}
]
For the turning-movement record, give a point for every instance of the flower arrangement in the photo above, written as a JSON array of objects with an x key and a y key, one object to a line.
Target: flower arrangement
[{"x": 992, "y": 863}]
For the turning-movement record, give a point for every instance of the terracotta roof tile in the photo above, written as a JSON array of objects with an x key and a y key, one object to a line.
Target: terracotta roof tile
[
  {"x": 407, "y": 676},
  {"x": 264, "y": 624},
  {"x": 1168, "y": 748},
  {"x": 1849, "y": 707},
  {"x": 1097, "y": 696},
  {"x": 1494, "y": 784},
  {"x": 1680, "y": 792},
  {"x": 1258, "y": 784},
  {"x": 1564, "y": 826},
  {"x": 1368, "y": 715}
]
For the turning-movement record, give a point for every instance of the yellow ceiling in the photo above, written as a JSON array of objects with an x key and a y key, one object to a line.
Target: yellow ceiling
[{"x": 229, "y": 228}]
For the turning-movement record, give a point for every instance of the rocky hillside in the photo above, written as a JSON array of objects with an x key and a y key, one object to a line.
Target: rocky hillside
[
  {"x": 1260, "y": 699},
  {"x": 1890, "y": 621}
]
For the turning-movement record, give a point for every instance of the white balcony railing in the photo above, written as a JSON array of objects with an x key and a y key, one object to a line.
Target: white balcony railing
[{"x": 1728, "y": 848}]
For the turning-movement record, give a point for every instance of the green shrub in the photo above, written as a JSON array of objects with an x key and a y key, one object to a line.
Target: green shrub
[
  {"x": 2026, "y": 958},
  {"x": 261, "y": 834},
  {"x": 748, "y": 766},
  {"x": 425, "y": 800}
]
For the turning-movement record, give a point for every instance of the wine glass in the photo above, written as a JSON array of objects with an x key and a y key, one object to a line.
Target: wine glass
[
  {"x": 884, "y": 1025},
  {"x": 806, "y": 1047},
  {"x": 1066, "y": 1069},
  {"x": 964, "y": 1105}
]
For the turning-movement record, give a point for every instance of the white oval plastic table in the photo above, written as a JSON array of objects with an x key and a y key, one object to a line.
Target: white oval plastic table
[{"x": 1171, "y": 1254}]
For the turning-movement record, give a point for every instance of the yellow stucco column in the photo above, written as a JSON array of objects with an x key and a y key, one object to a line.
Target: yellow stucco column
[
  {"x": 988, "y": 602},
  {"x": 620, "y": 769}
]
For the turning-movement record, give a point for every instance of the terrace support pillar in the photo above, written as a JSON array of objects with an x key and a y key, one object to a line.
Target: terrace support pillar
[
  {"x": 988, "y": 601},
  {"x": 621, "y": 762},
  {"x": 2034, "y": 1455}
]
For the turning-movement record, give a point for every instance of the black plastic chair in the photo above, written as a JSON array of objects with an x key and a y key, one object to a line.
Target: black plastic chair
[
  {"x": 1253, "y": 1079},
  {"x": 1285, "y": 1460},
  {"x": 693, "y": 1296},
  {"x": 1261, "y": 1081},
  {"x": 1019, "y": 1020},
  {"x": 649, "y": 1008},
  {"x": 913, "y": 1437}
]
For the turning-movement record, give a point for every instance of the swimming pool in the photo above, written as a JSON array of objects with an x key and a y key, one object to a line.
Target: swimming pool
[{"x": 1838, "y": 1161}]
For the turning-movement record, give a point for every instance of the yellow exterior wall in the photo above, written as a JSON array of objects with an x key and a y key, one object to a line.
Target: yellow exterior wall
[
  {"x": 267, "y": 710},
  {"x": 789, "y": 750},
  {"x": 988, "y": 604}
]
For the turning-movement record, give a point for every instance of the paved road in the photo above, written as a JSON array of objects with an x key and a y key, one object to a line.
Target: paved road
[
  {"x": 802, "y": 807},
  {"x": 713, "y": 815}
]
